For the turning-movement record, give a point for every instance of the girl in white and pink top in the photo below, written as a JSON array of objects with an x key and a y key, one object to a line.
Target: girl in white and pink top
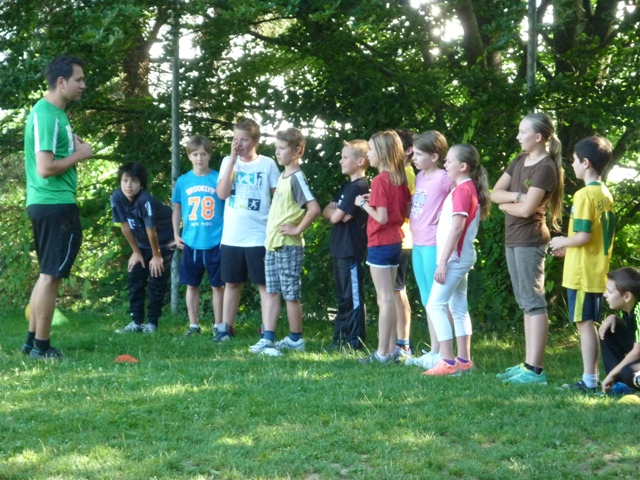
[
  {"x": 462, "y": 211},
  {"x": 431, "y": 188}
]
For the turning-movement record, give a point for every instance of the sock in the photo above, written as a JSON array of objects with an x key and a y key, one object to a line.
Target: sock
[
  {"x": 194, "y": 326},
  {"x": 221, "y": 327},
  {"x": 30, "y": 339},
  {"x": 536, "y": 370},
  {"x": 295, "y": 336},
  {"x": 590, "y": 380},
  {"x": 42, "y": 345},
  {"x": 462, "y": 360},
  {"x": 267, "y": 335}
]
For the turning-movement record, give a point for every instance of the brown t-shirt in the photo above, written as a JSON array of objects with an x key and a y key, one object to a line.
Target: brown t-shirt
[{"x": 531, "y": 231}]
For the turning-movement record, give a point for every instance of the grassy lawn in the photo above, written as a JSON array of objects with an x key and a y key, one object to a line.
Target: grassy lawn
[{"x": 193, "y": 409}]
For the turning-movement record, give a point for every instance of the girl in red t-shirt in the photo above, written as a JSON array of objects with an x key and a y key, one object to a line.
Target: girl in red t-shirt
[{"x": 388, "y": 205}]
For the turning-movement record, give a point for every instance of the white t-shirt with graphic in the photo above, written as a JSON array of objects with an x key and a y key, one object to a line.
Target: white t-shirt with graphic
[{"x": 247, "y": 209}]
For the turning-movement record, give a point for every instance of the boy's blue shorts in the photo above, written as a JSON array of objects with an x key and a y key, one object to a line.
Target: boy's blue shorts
[
  {"x": 584, "y": 305},
  {"x": 195, "y": 262}
]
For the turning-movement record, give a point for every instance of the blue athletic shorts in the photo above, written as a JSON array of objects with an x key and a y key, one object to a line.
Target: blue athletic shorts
[
  {"x": 195, "y": 262},
  {"x": 583, "y": 305}
]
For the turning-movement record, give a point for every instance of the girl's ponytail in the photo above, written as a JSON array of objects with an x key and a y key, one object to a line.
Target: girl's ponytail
[
  {"x": 555, "y": 202},
  {"x": 481, "y": 181},
  {"x": 468, "y": 154}
]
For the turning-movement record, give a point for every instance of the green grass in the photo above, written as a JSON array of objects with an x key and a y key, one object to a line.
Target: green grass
[{"x": 193, "y": 409}]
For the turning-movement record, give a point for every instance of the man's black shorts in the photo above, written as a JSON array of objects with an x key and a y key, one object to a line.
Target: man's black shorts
[{"x": 58, "y": 236}]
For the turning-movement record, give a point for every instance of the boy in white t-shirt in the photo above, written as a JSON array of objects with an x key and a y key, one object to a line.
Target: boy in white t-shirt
[{"x": 247, "y": 181}]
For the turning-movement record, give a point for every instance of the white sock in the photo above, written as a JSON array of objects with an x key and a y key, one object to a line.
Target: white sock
[{"x": 590, "y": 380}]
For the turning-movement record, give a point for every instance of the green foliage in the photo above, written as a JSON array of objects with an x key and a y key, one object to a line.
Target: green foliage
[{"x": 339, "y": 70}]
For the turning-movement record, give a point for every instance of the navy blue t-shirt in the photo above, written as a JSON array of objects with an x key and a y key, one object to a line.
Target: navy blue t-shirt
[
  {"x": 350, "y": 239},
  {"x": 144, "y": 212}
]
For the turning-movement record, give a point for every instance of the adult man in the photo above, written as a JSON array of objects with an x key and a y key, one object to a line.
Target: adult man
[{"x": 51, "y": 154}]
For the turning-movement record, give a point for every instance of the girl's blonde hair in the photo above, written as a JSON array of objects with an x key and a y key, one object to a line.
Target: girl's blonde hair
[
  {"x": 388, "y": 148},
  {"x": 468, "y": 154},
  {"x": 431, "y": 141},
  {"x": 541, "y": 123}
]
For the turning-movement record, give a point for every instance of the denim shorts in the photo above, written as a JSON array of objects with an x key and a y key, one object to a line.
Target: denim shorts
[{"x": 384, "y": 256}]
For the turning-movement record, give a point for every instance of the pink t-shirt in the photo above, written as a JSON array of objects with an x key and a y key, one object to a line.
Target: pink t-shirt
[
  {"x": 428, "y": 197},
  {"x": 394, "y": 198},
  {"x": 463, "y": 200}
]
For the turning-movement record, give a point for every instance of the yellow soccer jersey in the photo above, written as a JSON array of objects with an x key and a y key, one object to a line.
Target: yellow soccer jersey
[{"x": 586, "y": 267}]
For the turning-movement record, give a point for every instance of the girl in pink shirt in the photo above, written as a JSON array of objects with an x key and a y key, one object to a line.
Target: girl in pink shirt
[{"x": 432, "y": 187}]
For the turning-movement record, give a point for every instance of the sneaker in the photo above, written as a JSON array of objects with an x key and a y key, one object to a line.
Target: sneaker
[
  {"x": 26, "y": 349},
  {"x": 287, "y": 344},
  {"x": 194, "y": 330},
  {"x": 465, "y": 367},
  {"x": 620, "y": 389},
  {"x": 223, "y": 335},
  {"x": 402, "y": 353},
  {"x": 426, "y": 361},
  {"x": 149, "y": 328},
  {"x": 442, "y": 368},
  {"x": 511, "y": 371},
  {"x": 525, "y": 376},
  {"x": 133, "y": 327},
  {"x": 375, "y": 358},
  {"x": 581, "y": 387},
  {"x": 51, "y": 354},
  {"x": 262, "y": 344}
]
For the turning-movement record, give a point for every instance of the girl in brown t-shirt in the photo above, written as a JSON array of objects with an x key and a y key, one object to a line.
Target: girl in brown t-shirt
[{"x": 530, "y": 188}]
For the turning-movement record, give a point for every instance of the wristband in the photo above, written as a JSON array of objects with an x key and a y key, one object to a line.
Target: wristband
[
  {"x": 518, "y": 197},
  {"x": 362, "y": 202}
]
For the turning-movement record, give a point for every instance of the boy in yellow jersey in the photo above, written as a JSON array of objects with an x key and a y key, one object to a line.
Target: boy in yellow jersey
[{"x": 587, "y": 251}]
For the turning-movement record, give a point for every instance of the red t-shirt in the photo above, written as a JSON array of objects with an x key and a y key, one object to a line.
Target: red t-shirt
[{"x": 394, "y": 198}]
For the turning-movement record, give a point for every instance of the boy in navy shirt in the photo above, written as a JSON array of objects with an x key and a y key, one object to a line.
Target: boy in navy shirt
[
  {"x": 348, "y": 247},
  {"x": 146, "y": 224}
]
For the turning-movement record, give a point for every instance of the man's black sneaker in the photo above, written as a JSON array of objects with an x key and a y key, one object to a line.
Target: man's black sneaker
[
  {"x": 26, "y": 349},
  {"x": 51, "y": 354}
]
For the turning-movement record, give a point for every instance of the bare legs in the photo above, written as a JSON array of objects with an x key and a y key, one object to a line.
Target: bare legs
[
  {"x": 193, "y": 303},
  {"x": 536, "y": 328},
  {"x": 384, "y": 280},
  {"x": 589, "y": 345},
  {"x": 43, "y": 304}
]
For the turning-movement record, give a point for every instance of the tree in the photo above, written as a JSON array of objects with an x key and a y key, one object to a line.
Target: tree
[{"x": 345, "y": 69}]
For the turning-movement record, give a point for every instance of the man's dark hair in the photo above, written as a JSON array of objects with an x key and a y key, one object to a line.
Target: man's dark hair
[
  {"x": 134, "y": 170},
  {"x": 61, "y": 66},
  {"x": 596, "y": 149}
]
